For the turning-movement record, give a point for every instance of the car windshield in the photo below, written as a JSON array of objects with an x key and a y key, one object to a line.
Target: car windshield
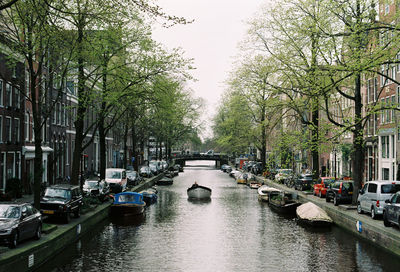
[
  {"x": 7, "y": 211},
  {"x": 91, "y": 183},
  {"x": 348, "y": 186},
  {"x": 390, "y": 188},
  {"x": 327, "y": 181},
  {"x": 53, "y": 192},
  {"x": 131, "y": 175},
  {"x": 113, "y": 174}
]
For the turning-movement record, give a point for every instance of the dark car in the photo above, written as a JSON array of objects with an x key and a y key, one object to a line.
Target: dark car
[
  {"x": 391, "y": 211},
  {"x": 62, "y": 200},
  {"x": 133, "y": 178},
  {"x": 19, "y": 221},
  {"x": 340, "y": 191},
  {"x": 303, "y": 182},
  {"x": 96, "y": 188},
  {"x": 257, "y": 168}
]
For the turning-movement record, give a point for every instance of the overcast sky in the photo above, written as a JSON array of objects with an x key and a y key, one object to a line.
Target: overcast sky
[{"x": 212, "y": 40}]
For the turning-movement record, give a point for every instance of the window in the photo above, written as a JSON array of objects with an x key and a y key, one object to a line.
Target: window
[
  {"x": 33, "y": 130},
  {"x": 393, "y": 72},
  {"x": 54, "y": 114},
  {"x": 388, "y": 117},
  {"x": 372, "y": 188},
  {"x": 58, "y": 113},
  {"x": 9, "y": 94},
  {"x": 17, "y": 98},
  {"x": 1, "y": 93},
  {"x": 393, "y": 105},
  {"x": 1, "y": 129},
  {"x": 385, "y": 173},
  {"x": 70, "y": 87},
  {"x": 63, "y": 115},
  {"x": 27, "y": 85},
  {"x": 27, "y": 127},
  {"x": 16, "y": 130},
  {"x": 382, "y": 111},
  {"x": 393, "y": 146},
  {"x": 387, "y": 9},
  {"x": 385, "y": 146},
  {"x": 8, "y": 129}
]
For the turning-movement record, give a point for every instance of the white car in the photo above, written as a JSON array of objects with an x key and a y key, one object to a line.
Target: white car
[
  {"x": 283, "y": 174},
  {"x": 372, "y": 196},
  {"x": 116, "y": 178}
]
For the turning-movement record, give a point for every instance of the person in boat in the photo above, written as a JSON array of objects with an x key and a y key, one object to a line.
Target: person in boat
[{"x": 195, "y": 184}]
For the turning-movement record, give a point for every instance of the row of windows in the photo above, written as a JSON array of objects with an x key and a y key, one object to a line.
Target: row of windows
[
  {"x": 9, "y": 95},
  {"x": 9, "y": 130}
]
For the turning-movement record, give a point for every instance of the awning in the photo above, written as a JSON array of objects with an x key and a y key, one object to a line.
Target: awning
[{"x": 29, "y": 151}]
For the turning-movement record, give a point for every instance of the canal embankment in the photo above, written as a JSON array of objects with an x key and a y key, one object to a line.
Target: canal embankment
[
  {"x": 29, "y": 255},
  {"x": 346, "y": 217}
]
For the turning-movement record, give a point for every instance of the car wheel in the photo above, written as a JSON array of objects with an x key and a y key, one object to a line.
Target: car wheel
[
  {"x": 385, "y": 220},
  {"x": 373, "y": 215},
  {"x": 327, "y": 199},
  {"x": 38, "y": 233},
  {"x": 359, "y": 210},
  {"x": 77, "y": 213},
  {"x": 335, "y": 201},
  {"x": 13, "y": 240},
  {"x": 320, "y": 194}
]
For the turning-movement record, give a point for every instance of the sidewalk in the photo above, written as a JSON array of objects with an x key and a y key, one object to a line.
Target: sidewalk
[{"x": 346, "y": 216}]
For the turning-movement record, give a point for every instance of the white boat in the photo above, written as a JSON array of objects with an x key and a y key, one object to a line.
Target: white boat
[
  {"x": 312, "y": 215},
  {"x": 263, "y": 192},
  {"x": 198, "y": 192}
]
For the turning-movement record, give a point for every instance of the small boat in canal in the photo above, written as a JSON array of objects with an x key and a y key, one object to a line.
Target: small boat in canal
[
  {"x": 263, "y": 192},
  {"x": 149, "y": 195},
  {"x": 127, "y": 204},
  {"x": 283, "y": 202},
  {"x": 165, "y": 181},
  {"x": 311, "y": 215},
  {"x": 255, "y": 184},
  {"x": 198, "y": 192}
]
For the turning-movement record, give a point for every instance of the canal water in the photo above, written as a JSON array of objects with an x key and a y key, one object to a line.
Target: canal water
[{"x": 231, "y": 232}]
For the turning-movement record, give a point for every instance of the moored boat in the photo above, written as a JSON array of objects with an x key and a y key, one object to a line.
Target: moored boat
[
  {"x": 165, "y": 181},
  {"x": 312, "y": 215},
  {"x": 263, "y": 192},
  {"x": 127, "y": 204},
  {"x": 255, "y": 184},
  {"x": 198, "y": 192},
  {"x": 283, "y": 202},
  {"x": 149, "y": 196}
]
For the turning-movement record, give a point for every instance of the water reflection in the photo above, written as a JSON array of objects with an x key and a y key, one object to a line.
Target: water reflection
[
  {"x": 134, "y": 220},
  {"x": 232, "y": 232}
]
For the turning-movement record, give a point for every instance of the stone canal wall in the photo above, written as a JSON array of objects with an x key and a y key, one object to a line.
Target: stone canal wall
[
  {"x": 363, "y": 226},
  {"x": 29, "y": 255}
]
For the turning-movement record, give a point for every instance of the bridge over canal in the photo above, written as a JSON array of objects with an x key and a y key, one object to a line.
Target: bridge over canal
[{"x": 219, "y": 159}]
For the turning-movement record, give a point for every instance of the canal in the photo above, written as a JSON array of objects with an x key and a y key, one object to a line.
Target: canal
[{"x": 231, "y": 232}]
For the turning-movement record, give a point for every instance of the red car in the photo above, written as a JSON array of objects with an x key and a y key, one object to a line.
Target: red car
[{"x": 320, "y": 187}]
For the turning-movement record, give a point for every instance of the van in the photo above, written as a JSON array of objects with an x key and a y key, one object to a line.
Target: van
[
  {"x": 372, "y": 196},
  {"x": 116, "y": 178}
]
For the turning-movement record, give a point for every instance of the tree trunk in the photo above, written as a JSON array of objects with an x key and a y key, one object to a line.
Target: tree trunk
[
  {"x": 79, "y": 122},
  {"x": 358, "y": 141},
  {"x": 103, "y": 149},
  {"x": 126, "y": 130}
]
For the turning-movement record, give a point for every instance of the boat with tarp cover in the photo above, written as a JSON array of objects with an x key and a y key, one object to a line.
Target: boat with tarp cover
[
  {"x": 127, "y": 204},
  {"x": 312, "y": 215}
]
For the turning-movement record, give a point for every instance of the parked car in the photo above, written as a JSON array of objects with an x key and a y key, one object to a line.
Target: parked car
[
  {"x": 224, "y": 167},
  {"x": 133, "y": 178},
  {"x": 283, "y": 174},
  {"x": 96, "y": 188},
  {"x": 372, "y": 196},
  {"x": 145, "y": 171},
  {"x": 303, "y": 182},
  {"x": 322, "y": 185},
  {"x": 116, "y": 178},
  {"x": 257, "y": 168},
  {"x": 391, "y": 211},
  {"x": 62, "y": 200},
  {"x": 340, "y": 191},
  {"x": 19, "y": 221}
]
